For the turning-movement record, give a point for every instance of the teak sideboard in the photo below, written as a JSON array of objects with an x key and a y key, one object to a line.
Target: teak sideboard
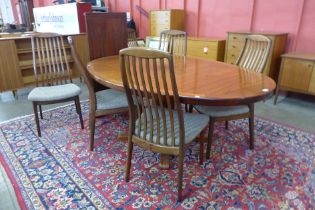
[
  {"x": 297, "y": 74},
  {"x": 16, "y": 66},
  {"x": 236, "y": 41}
]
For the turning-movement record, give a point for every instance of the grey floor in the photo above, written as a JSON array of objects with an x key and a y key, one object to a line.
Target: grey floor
[{"x": 294, "y": 110}]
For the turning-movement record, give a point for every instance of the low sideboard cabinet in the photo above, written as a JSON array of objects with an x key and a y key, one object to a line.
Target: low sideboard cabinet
[{"x": 297, "y": 74}]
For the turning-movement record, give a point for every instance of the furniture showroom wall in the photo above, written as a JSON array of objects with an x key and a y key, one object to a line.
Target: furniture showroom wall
[{"x": 213, "y": 18}]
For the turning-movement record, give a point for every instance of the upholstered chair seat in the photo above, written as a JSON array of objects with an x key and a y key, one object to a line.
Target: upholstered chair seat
[
  {"x": 110, "y": 99},
  {"x": 193, "y": 124},
  {"x": 52, "y": 93}
]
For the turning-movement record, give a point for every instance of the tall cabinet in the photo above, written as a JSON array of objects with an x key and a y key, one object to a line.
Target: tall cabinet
[
  {"x": 161, "y": 20},
  {"x": 236, "y": 41}
]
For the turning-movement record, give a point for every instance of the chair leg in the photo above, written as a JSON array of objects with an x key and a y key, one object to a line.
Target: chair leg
[
  {"x": 129, "y": 154},
  {"x": 180, "y": 175},
  {"x": 226, "y": 124},
  {"x": 251, "y": 127},
  {"x": 92, "y": 128},
  {"x": 210, "y": 136},
  {"x": 201, "y": 142},
  {"x": 190, "y": 108},
  {"x": 36, "y": 118},
  {"x": 78, "y": 108},
  {"x": 40, "y": 111}
]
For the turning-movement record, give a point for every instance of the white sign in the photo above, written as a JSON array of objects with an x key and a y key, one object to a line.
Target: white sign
[{"x": 62, "y": 19}]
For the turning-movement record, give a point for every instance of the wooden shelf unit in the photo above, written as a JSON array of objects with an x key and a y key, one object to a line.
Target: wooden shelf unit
[
  {"x": 297, "y": 74},
  {"x": 161, "y": 20},
  {"x": 16, "y": 65},
  {"x": 236, "y": 41}
]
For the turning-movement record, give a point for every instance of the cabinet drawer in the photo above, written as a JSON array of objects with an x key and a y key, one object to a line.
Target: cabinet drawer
[
  {"x": 233, "y": 55},
  {"x": 296, "y": 74},
  {"x": 160, "y": 21},
  {"x": 160, "y": 14},
  {"x": 235, "y": 45},
  {"x": 236, "y": 38},
  {"x": 156, "y": 29}
]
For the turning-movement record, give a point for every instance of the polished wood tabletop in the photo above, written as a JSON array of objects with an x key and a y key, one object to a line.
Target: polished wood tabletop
[{"x": 199, "y": 81}]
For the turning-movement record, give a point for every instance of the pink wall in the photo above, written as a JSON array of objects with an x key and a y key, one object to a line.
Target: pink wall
[{"x": 213, "y": 18}]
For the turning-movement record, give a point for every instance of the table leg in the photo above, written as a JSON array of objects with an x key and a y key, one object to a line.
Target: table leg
[{"x": 164, "y": 161}]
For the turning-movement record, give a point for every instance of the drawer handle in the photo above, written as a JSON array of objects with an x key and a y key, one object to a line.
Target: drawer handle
[
  {"x": 233, "y": 55},
  {"x": 309, "y": 65},
  {"x": 233, "y": 46},
  {"x": 234, "y": 37}
]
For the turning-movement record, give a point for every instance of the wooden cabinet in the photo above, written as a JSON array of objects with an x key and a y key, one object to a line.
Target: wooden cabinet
[
  {"x": 297, "y": 74},
  {"x": 212, "y": 49},
  {"x": 161, "y": 20},
  {"x": 107, "y": 33},
  {"x": 236, "y": 41},
  {"x": 16, "y": 65}
]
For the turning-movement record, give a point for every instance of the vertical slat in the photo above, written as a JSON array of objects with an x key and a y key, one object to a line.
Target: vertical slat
[
  {"x": 61, "y": 63},
  {"x": 138, "y": 95},
  {"x": 160, "y": 98},
  {"x": 146, "y": 96},
  {"x": 147, "y": 64},
  {"x": 68, "y": 75},
  {"x": 133, "y": 90},
  {"x": 34, "y": 60},
  {"x": 47, "y": 58},
  {"x": 52, "y": 59},
  {"x": 168, "y": 101},
  {"x": 56, "y": 64}
]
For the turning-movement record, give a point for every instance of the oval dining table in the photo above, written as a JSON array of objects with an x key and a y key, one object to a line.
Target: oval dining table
[{"x": 199, "y": 82}]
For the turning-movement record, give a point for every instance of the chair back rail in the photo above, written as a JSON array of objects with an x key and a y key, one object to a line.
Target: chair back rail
[
  {"x": 50, "y": 60},
  {"x": 254, "y": 54},
  {"x": 174, "y": 42},
  {"x": 148, "y": 76}
]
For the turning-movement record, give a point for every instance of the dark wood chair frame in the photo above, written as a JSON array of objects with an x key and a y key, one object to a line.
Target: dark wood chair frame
[
  {"x": 50, "y": 56},
  {"x": 135, "y": 64},
  {"x": 253, "y": 57},
  {"x": 93, "y": 88}
]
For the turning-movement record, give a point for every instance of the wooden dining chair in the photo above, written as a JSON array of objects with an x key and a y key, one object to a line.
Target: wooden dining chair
[
  {"x": 132, "y": 38},
  {"x": 253, "y": 57},
  {"x": 103, "y": 101},
  {"x": 157, "y": 122},
  {"x": 52, "y": 75},
  {"x": 174, "y": 42}
]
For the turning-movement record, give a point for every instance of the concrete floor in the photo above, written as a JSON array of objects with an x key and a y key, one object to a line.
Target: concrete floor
[{"x": 291, "y": 110}]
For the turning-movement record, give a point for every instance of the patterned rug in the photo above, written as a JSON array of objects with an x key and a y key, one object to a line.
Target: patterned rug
[{"x": 58, "y": 171}]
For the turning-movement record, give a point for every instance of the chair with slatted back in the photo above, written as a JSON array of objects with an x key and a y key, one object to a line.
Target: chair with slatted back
[
  {"x": 253, "y": 57},
  {"x": 174, "y": 42},
  {"x": 157, "y": 122},
  {"x": 103, "y": 101},
  {"x": 52, "y": 75},
  {"x": 132, "y": 38}
]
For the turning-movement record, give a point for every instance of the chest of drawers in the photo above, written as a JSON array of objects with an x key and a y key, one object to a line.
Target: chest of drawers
[{"x": 161, "y": 20}]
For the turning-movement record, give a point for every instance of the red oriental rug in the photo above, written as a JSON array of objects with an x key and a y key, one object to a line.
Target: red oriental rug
[{"x": 58, "y": 171}]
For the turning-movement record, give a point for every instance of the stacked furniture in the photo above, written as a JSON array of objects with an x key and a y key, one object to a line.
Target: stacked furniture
[{"x": 235, "y": 43}]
